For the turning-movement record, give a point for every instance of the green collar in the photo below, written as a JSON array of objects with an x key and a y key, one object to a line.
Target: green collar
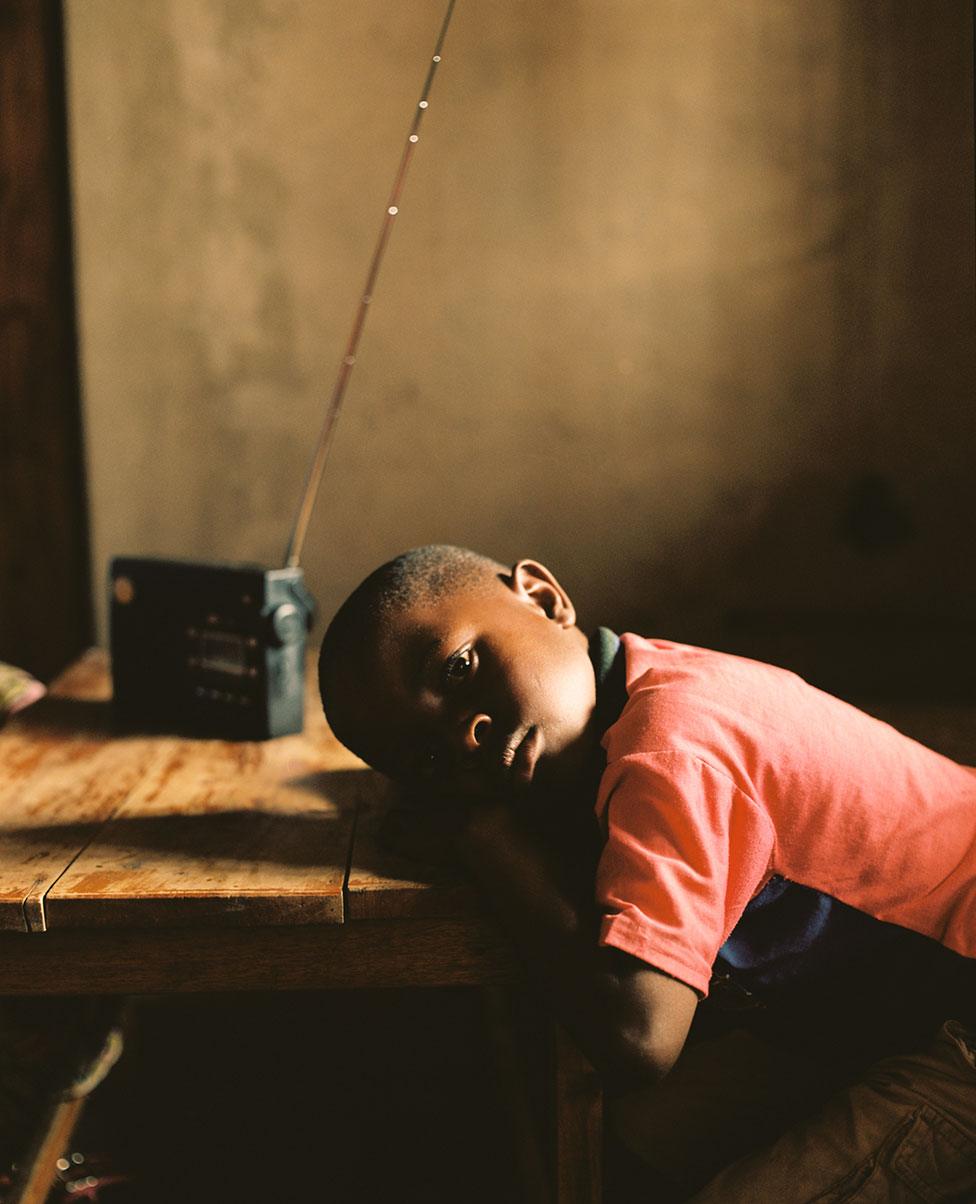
[{"x": 607, "y": 656}]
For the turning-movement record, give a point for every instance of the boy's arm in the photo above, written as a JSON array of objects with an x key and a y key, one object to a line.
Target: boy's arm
[{"x": 629, "y": 1018}]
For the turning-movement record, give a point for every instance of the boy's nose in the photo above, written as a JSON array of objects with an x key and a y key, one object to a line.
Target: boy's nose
[{"x": 475, "y": 732}]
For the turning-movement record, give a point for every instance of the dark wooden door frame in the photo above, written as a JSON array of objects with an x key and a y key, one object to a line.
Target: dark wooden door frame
[{"x": 45, "y": 594}]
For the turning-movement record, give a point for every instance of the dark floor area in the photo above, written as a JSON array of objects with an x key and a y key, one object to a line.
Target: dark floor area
[{"x": 366, "y": 1096}]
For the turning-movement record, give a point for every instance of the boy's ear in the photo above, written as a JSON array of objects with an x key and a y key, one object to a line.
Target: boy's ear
[{"x": 533, "y": 582}]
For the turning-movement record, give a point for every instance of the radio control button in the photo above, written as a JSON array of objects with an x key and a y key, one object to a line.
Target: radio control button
[{"x": 287, "y": 624}]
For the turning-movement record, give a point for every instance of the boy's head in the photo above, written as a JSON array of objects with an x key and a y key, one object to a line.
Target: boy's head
[{"x": 448, "y": 671}]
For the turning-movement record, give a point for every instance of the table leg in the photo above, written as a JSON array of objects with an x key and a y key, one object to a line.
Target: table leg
[
  {"x": 513, "y": 1077},
  {"x": 578, "y": 1115}
]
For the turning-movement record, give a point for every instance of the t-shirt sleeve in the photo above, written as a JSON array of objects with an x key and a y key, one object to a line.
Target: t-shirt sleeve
[{"x": 686, "y": 851}]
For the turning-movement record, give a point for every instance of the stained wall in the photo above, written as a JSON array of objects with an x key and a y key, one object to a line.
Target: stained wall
[{"x": 679, "y": 299}]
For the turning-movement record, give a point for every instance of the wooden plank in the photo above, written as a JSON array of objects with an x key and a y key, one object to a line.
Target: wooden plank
[
  {"x": 61, "y": 809},
  {"x": 61, "y": 777},
  {"x": 244, "y": 833},
  {"x": 461, "y": 952},
  {"x": 74, "y": 713},
  {"x": 398, "y": 867}
]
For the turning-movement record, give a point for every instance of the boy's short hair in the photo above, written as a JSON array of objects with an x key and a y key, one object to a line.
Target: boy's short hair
[{"x": 414, "y": 576}]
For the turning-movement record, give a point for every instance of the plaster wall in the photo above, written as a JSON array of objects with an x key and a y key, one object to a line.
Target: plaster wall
[{"x": 679, "y": 300}]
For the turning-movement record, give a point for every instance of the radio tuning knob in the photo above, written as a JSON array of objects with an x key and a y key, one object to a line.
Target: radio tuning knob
[{"x": 286, "y": 624}]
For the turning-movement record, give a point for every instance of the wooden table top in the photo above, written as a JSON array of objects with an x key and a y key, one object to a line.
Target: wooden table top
[
  {"x": 100, "y": 830},
  {"x": 158, "y": 864}
]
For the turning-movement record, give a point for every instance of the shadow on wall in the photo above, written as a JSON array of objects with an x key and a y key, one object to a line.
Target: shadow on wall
[{"x": 819, "y": 581}]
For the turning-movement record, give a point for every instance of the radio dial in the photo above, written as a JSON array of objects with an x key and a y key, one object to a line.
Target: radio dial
[{"x": 286, "y": 624}]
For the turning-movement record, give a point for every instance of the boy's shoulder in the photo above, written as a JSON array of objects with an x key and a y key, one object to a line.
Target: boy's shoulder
[
  {"x": 683, "y": 696},
  {"x": 657, "y": 663}
]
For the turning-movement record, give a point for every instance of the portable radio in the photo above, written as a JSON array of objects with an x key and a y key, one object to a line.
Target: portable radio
[
  {"x": 218, "y": 650},
  {"x": 208, "y": 649}
]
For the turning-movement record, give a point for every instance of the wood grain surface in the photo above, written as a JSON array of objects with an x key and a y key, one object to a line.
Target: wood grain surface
[
  {"x": 400, "y": 866},
  {"x": 370, "y": 953},
  {"x": 141, "y": 830},
  {"x": 61, "y": 777},
  {"x": 247, "y": 832},
  {"x": 107, "y": 830}
]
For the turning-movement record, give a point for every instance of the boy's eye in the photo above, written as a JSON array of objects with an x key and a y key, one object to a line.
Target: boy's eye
[{"x": 459, "y": 666}]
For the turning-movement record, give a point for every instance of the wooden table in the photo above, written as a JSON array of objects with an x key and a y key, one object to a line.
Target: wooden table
[
  {"x": 148, "y": 864},
  {"x": 139, "y": 864}
]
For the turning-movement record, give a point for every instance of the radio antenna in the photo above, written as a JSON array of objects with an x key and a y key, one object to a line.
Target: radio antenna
[{"x": 321, "y": 454}]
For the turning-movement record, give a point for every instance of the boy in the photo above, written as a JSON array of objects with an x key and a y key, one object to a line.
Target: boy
[{"x": 748, "y": 821}]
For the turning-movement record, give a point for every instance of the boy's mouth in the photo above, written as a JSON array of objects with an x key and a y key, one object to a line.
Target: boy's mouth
[{"x": 521, "y": 753}]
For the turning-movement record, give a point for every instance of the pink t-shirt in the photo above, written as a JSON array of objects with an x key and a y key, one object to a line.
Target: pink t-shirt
[{"x": 722, "y": 772}]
